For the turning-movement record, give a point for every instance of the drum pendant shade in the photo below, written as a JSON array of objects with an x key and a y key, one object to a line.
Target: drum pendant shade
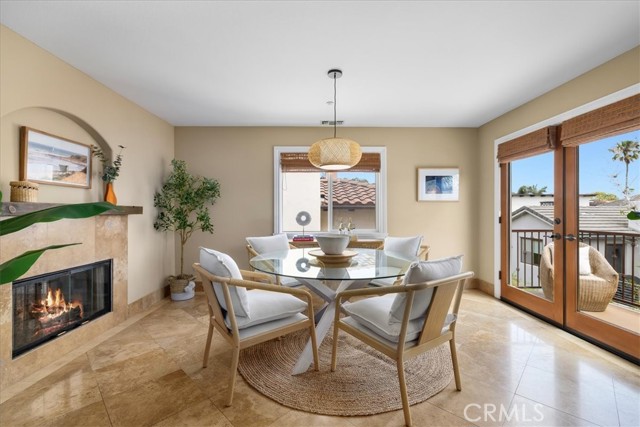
[{"x": 334, "y": 154}]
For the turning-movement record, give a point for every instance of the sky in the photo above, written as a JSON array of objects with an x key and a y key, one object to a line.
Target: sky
[{"x": 596, "y": 169}]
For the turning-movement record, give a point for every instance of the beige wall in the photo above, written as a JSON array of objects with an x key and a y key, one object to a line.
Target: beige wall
[
  {"x": 41, "y": 91},
  {"x": 242, "y": 160},
  {"x": 615, "y": 75}
]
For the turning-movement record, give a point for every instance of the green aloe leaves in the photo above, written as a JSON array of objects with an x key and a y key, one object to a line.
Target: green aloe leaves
[{"x": 16, "y": 267}]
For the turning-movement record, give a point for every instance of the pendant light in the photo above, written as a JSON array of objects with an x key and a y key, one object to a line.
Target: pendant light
[{"x": 334, "y": 154}]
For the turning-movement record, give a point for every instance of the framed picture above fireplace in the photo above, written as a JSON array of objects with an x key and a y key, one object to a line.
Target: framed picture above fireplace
[{"x": 50, "y": 159}]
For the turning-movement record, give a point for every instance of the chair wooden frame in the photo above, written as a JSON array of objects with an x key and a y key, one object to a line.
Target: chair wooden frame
[
  {"x": 445, "y": 291},
  {"x": 231, "y": 334}
]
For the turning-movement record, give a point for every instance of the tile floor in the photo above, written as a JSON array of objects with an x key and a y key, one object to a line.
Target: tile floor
[{"x": 516, "y": 371}]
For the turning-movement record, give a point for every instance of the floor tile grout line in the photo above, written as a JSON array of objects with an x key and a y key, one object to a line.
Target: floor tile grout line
[
  {"x": 559, "y": 410},
  {"x": 45, "y": 371}
]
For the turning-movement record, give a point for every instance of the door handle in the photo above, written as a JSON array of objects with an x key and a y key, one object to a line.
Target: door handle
[
  {"x": 554, "y": 236},
  {"x": 570, "y": 237}
]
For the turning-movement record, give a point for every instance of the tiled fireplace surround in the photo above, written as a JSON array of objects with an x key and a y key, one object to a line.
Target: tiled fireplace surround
[{"x": 102, "y": 237}]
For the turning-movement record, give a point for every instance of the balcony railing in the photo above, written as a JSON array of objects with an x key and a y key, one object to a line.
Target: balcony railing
[{"x": 619, "y": 248}]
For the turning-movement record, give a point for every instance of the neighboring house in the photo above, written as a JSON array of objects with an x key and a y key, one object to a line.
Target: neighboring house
[
  {"x": 604, "y": 227},
  {"x": 520, "y": 200},
  {"x": 352, "y": 199}
]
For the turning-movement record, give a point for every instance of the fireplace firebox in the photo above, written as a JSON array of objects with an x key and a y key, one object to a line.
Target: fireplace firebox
[{"x": 49, "y": 305}]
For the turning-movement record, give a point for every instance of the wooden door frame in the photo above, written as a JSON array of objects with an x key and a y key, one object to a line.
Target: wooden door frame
[
  {"x": 576, "y": 321},
  {"x": 550, "y": 310}
]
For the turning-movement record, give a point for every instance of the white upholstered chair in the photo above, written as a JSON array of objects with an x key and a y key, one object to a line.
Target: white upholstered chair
[
  {"x": 406, "y": 320},
  {"x": 265, "y": 244},
  {"x": 406, "y": 246},
  {"x": 247, "y": 318}
]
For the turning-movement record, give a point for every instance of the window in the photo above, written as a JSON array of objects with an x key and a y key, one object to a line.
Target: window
[
  {"x": 530, "y": 250},
  {"x": 331, "y": 198}
]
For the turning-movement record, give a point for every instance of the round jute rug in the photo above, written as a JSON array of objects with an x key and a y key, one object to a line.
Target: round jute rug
[{"x": 365, "y": 381}]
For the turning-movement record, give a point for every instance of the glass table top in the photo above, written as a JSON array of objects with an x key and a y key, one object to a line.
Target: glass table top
[{"x": 366, "y": 264}]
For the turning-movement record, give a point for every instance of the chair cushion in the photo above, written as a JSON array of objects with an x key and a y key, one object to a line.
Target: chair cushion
[
  {"x": 267, "y": 306},
  {"x": 407, "y": 246},
  {"x": 583, "y": 260},
  {"x": 266, "y": 244},
  {"x": 373, "y": 313},
  {"x": 419, "y": 272},
  {"x": 222, "y": 265}
]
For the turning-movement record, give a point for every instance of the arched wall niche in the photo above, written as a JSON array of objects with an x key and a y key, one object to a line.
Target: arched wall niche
[{"x": 56, "y": 122}]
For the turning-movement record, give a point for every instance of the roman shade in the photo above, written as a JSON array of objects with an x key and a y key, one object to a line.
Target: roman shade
[
  {"x": 536, "y": 142},
  {"x": 613, "y": 119},
  {"x": 299, "y": 162}
]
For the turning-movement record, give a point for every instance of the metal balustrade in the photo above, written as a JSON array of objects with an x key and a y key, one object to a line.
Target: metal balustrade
[{"x": 619, "y": 248}]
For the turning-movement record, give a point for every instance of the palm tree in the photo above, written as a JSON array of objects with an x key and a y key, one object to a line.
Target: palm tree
[
  {"x": 532, "y": 190},
  {"x": 627, "y": 152}
]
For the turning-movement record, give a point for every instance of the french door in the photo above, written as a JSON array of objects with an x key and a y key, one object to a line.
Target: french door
[{"x": 568, "y": 253}]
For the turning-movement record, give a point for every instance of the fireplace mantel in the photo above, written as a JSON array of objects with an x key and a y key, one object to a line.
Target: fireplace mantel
[{"x": 19, "y": 208}]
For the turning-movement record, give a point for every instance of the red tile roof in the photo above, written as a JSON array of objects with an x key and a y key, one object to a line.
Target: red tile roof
[{"x": 348, "y": 192}]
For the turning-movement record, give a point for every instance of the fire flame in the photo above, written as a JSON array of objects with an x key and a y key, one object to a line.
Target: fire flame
[{"x": 54, "y": 306}]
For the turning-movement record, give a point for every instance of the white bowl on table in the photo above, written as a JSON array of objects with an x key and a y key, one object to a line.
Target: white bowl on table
[{"x": 333, "y": 244}]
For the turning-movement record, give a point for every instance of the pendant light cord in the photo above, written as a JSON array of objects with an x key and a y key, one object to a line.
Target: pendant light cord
[{"x": 335, "y": 121}]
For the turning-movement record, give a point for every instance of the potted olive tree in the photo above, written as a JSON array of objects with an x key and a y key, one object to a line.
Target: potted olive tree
[{"x": 182, "y": 204}]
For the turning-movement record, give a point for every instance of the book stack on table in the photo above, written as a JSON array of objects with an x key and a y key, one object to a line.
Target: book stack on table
[{"x": 302, "y": 238}]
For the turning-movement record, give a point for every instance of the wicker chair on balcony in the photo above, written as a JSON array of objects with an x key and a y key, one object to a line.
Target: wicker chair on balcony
[{"x": 595, "y": 290}]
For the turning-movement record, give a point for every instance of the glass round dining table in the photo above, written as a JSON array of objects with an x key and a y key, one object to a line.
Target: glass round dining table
[{"x": 326, "y": 278}]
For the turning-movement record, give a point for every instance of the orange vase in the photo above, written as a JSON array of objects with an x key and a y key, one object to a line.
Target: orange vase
[{"x": 110, "y": 195}]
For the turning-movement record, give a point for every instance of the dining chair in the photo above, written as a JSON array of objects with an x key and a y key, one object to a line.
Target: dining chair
[
  {"x": 405, "y": 321},
  {"x": 276, "y": 243},
  {"x": 406, "y": 246},
  {"x": 247, "y": 318}
]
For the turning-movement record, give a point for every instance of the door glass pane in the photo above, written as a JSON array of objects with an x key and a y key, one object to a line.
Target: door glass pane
[
  {"x": 531, "y": 247},
  {"x": 609, "y": 256}
]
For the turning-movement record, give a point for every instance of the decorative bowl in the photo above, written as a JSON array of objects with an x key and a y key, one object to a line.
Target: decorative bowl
[{"x": 333, "y": 244}]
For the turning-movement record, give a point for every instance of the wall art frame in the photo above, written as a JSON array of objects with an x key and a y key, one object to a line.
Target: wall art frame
[
  {"x": 438, "y": 184},
  {"x": 54, "y": 160}
]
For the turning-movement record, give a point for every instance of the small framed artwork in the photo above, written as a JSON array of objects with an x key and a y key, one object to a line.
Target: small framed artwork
[
  {"x": 50, "y": 159},
  {"x": 438, "y": 184}
]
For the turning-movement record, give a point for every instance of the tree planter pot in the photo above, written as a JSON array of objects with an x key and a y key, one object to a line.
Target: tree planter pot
[{"x": 181, "y": 289}]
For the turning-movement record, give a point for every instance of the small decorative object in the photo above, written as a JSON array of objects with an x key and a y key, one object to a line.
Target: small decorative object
[
  {"x": 343, "y": 258},
  {"x": 438, "y": 184},
  {"x": 333, "y": 244},
  {"x": 50, "y": 159},
  {"x": 24, "y": 191},
  {"x": 348, "y": 229},
  {"x": 182, "y": 204},
  {"x": 110, "y": 171},
  {"x": 303, "y": 218},
  {"x": 302, "y": 264}
]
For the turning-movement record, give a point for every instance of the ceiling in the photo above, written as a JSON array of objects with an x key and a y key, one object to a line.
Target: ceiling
[{"x": 265, "y": 63}]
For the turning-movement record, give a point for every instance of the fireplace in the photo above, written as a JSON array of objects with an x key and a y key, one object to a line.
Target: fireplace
[{"x": 47, "y": 306}]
